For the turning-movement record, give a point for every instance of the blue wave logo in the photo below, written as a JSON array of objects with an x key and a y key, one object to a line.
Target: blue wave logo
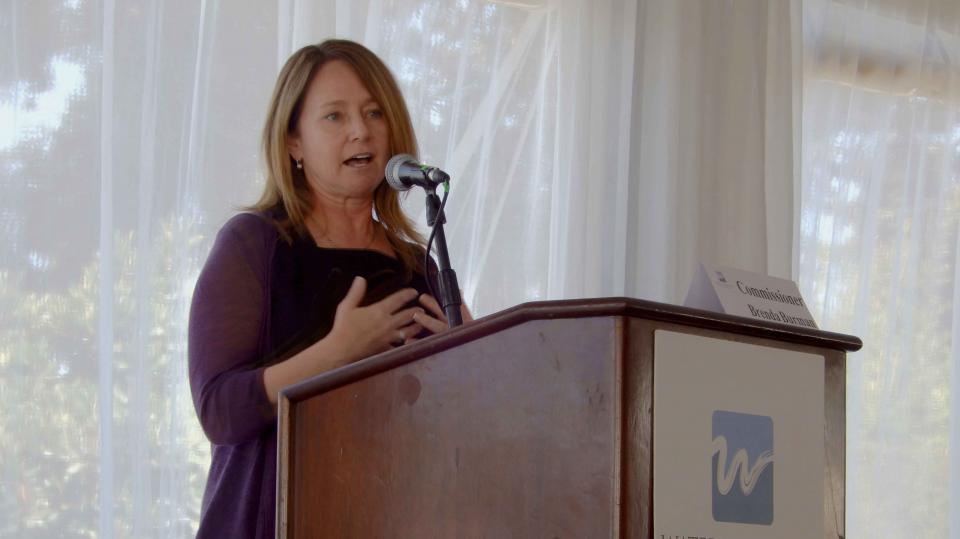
[{"x": 742, "y": 468}]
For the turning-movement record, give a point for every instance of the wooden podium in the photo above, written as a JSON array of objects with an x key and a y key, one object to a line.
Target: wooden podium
[{"x": 533, "y": 422}]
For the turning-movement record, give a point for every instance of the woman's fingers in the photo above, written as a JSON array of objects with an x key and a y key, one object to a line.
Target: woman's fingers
[
  {"x": 430, "y": 303},
  {"x": 355, "y": 295},
  {"x": 406, "y": 335},
  {"x": 404, "y": 317},
  {"x": 410, "y": 331},
  {"x": 398, "y": 299},
  {"x": 432, "y": 324},
  {"x": 387, "y": 323}
]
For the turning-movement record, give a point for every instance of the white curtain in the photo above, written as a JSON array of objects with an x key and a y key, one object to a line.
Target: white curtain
[
  {"x": 596, "y": 147},
  {"x": 878, "y": 248},
  {"x": 712, "y": 152}
]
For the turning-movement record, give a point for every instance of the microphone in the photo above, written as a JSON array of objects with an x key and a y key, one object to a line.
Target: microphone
[{"x": 403, "y": 172}]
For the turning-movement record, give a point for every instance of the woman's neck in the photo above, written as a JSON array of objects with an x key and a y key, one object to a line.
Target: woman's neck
[{"x": 343, "y": 222}]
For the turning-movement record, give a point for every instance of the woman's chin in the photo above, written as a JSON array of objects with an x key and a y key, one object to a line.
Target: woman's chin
[{"x": 347, "y": 186}]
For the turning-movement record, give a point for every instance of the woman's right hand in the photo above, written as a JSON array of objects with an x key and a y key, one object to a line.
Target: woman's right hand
[
  {"x": 357, "y": 332},
  {"x": 363, "y": 331}
]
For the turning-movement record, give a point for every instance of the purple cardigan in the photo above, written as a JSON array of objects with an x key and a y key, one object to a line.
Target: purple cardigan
[{"x": 259, "y": 300}]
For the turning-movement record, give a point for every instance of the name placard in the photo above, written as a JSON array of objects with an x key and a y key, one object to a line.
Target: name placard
[{"x": 743, "y": 293}]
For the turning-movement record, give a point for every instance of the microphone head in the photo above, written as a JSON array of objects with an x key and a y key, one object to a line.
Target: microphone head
[
  {"x": 392, "y": 172},
  {"x": 438, "y": 176}
]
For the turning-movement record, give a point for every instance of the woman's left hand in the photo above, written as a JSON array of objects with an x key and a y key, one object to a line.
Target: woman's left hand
[{"x": 433, "y": 320}]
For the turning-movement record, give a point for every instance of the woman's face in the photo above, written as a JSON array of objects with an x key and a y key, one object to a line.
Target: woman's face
[{"x": 341, "y": 135}]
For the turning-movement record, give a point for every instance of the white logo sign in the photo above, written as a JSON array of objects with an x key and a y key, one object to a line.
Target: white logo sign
[{"x": 738, "y": 440}]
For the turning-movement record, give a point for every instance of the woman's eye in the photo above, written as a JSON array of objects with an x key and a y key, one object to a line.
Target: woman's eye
[
  {"x": 332, "y": 116},
  {"x": 375, "y": 113}
]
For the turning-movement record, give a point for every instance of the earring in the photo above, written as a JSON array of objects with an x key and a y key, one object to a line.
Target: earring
[{"x": 300, "y": 164}]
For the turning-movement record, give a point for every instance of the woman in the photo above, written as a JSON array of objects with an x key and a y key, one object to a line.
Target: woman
[{"x": 308, "y": 280}]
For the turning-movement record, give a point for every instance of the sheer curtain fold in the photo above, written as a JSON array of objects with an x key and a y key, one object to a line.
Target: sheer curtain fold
[
  {"x": 597, "y": 148},
  {"x": 878, "y": 246},
  {"x": 712, "y": 159}
]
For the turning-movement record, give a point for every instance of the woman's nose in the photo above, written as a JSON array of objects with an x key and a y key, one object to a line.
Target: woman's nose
[{"x": 358, "y": 128}]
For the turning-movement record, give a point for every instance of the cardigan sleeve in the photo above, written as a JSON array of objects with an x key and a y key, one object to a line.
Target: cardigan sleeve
[{"x": 228, "y": 314}]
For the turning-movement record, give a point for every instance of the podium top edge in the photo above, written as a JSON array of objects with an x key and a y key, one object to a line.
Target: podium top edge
[
  {"x": 575, "y": 308},
  {"x": 665, "y": 312}
]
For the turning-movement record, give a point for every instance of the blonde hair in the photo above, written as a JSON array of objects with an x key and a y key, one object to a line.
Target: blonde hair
[{"x": 286, "y": 185}]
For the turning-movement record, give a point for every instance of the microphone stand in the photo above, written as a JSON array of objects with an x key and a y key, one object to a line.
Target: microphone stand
[{"x": 449, "y": 289}]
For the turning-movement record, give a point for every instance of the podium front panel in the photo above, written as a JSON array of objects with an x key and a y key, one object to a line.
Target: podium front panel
[{"x": 484, "y": 440}]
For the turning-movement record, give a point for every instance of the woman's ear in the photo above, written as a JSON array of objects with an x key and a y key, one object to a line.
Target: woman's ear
[{"x": 293, "y": 147}]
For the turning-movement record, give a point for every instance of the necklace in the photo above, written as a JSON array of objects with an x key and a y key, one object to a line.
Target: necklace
[{"x": 325, "y": 238}]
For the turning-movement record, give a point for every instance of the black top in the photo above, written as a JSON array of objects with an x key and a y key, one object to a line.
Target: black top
[{"x": 309, "y": 282}]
